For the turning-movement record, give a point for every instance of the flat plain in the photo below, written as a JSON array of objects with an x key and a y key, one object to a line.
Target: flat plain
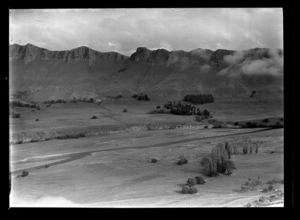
[{"x": 109, "y": 165}]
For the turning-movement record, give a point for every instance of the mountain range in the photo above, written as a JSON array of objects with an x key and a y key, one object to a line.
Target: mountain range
[{"x": 38, "y": 74}]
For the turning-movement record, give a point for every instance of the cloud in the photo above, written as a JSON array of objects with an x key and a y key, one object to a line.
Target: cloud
[
  {"x": 243, "y": 62},
  {"x": 204, "y": 54},
  {"x": 263, "y": 66},
  {"x": 205, "y": 68},
  {"x": 176, "y": 29},
  {"x": 234, "y": 58}
]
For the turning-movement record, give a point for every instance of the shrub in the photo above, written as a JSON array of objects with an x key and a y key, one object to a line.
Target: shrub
[
  {"x": 205, "y": 112},
  {"x": 193, "y": 190},
  {"x": 24, "y": 173},
  {"x": 38, "y": 107},
  {"x": 268, "y": 189},
  {"x": 94, "y": 117},
  {"x": 182, "y": 160},
  {"x": 191, "y": 182},
  {"x": 256, "y": 148},
  {"x": 199, "y": 180},
  {"x": 189, "y": 190},
  {"x": 48, "y": 106},
  {"x": 124, "y": 110},
  {"x": 250, "y": 185},
  {"x": 281, "y": 119},
  {"x": 265, "y": 120},
  {"x": 185, "y": 189},
  {"x": 236, "y": 124},
  {"x": 37, "y": 119},
  {"x": 135, "y": 96},
  {"x": 141, "y": 96},
  {"x": 153, "y": 160}
]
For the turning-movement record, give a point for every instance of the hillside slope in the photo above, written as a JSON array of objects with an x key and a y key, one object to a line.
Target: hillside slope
[{"x": 39, "y": 74}]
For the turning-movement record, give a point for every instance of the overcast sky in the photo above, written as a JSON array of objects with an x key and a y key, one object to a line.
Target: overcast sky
[{"x": 123, "y": 30}]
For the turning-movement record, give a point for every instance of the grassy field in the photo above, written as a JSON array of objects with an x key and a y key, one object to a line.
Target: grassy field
[{"x": 109, "y": 167}]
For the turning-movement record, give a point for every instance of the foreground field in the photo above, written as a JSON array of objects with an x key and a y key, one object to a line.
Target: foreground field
[{"x": 112, "y": 169}]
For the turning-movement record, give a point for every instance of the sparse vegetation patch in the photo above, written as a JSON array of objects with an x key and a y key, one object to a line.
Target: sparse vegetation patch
[
  {"x": 70, "y": 136},
  {"x": 16, "y": 103},
  {"x": 141, "y": 96},
  {"x": 199, "y": 98},
  {"x": 55, "y": 101}
]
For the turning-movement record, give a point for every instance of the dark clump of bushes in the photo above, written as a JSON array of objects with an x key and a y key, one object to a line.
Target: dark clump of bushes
[
  {"x": 268, "y": 189},
  {"x": 250, "y": 185},
  {"x": 125, "y": 110},
  {"x": 16, "y": 103},
  {"x": 24, "y": 173},
  {"x": 48, "y": 106},
  {"x": 189, "y": 189},
  {"x": 55, "y": 101},
  {"x": 218, "y": 161},
  {"x": 118, "y": 97},
  {"x": 141, "y": 96},
  {"x": 265, "y": 120},
  {"x": 70, "y": 136},
  {"x": 277, "y": 125},
  {"x": 191, "y": 182},
  {"x": 199, "y": 180},
  {"x": 84, "y": 100},
  {"x": 37, "y": 119},
  {"x": 250, "y": 124},
  {"x": 186, "y": 109},
  {"x": 199, "y": 98},
  {"x": 153, "y": 160},
  {"x": 135, "y": 96},
  {"x": 94, "y": 117},
  {"x": 182, "y": 160}
]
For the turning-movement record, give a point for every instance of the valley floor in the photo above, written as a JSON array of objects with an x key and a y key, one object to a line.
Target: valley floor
[{"x": 113, "y": 169}]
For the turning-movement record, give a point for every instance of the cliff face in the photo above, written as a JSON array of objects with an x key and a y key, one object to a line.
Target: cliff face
[
  {"x": 29, "y": 53},
  {"x": 82, "y": 72}
]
